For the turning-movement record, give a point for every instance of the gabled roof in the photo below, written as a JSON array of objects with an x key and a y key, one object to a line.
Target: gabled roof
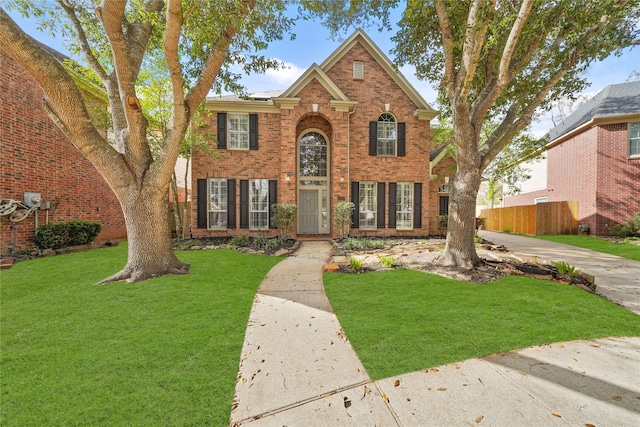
[
  {"x": 615, "y": 102},
  {"x": 359, "y": 36},
  {"x": 315, "y": 72}
]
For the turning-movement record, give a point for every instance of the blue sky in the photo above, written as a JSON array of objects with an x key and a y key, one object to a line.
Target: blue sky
[{"x": 313, "y": 44}]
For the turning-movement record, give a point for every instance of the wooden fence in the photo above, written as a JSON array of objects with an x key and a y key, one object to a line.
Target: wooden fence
[{"x": 539, "y": 219}]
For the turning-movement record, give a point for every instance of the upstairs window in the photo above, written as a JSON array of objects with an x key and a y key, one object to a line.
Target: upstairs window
[
  {"x": 387, "y": 132},
  {"x": 238, "y": 131},
  {"x": 634, "y": 139}
]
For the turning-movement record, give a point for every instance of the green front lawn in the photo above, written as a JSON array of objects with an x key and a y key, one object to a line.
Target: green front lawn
[
  {"x": 402, "y": 321},
  {"x": 160, "y": 352},
  {"x": 624, "y": 250}
]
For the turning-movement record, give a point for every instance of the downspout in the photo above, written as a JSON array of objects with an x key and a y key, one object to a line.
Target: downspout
[{"x": 349, "y": 152}]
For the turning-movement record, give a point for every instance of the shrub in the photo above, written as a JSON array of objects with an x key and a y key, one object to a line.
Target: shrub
[
  {"x": 342, "y": 217},
  {"x": 284, "y": 214},
  {"x": 387, "y": 261},
  {"x": 240, "y": 241},
  {"x": 354, "y": 244},
  {"x": 63, "y": 234},
  {"x": 356, "y": 264},
  {"x": 631, "y": 228},
  {"x": 566, "y": 268},
  {"x": 260, "y": 242}
]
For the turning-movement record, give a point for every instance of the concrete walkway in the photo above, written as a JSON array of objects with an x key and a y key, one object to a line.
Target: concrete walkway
[
  {"x": 617, "y": 279},
  {"x": 298, "y": 369}
]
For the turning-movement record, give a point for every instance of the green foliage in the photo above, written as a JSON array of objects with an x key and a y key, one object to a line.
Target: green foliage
[
  {"x": 63, "y": 234},
  {"x": 240, "y": 241},
  {"x": 566, "y": 268},
  {"x": 359, "y": 244},
  {"x": 387, "y": 261},
  {"x": 478, "y": 239},
  {"x": 443, "y": 221},
  {"x": 342, "y": 217},
  {"x": 356, "y": 264},
  {"x": 162, "y": 352},
  {"x": 402, "y": 321},
  {"x": 284, "y": 215},
  {"x": 630, "y": 228}
]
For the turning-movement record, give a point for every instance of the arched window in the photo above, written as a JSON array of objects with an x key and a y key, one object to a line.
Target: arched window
[{"x": 387, "y": 135}]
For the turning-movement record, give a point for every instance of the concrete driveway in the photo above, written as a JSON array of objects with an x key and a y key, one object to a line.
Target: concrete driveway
[{"x": 617, "y": 279}]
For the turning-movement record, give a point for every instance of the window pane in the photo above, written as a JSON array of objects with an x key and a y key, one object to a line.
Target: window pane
[
  {"x": 258, "y": 204},
  {"x": 634, "y": 139},
  {"x": 238, "y": 131},
  {"x": 404, "y": 205},
  {"x": 313, "y": 155},
  {"x": 367, "y": 205},
  {"x": 386, "y": 135},
  {"x": 217, "y": 203}
]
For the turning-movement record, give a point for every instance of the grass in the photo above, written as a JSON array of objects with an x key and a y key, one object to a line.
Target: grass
[
  {"x": 402, "y": 321},
  {"x": 160, "y": 352},
  {"x": 624, "y": 250}
]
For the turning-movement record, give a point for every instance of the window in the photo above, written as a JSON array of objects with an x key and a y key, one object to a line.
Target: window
[
  {"x": 313, "y": 159},
  {"x": 634, "y": 139},
  {"x": 358, "y": 70},
  {"x": 386, "y": 135},
  {"x": 218, "y": 203},
  {"x": 404, "y": 205},
  {"x": 258, "y": 204},
  {"x": 540, "y": 200},
  {"x": 367, "y": 205},
  {"x": 238, "y": 131}
]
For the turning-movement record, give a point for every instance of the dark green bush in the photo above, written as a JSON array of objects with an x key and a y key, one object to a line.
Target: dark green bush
[
  {"x": 63, "y": 234},
  {"x": 631, "y": 228}
]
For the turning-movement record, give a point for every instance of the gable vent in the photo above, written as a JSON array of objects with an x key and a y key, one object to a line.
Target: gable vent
[{"x": 358, "y": 69}]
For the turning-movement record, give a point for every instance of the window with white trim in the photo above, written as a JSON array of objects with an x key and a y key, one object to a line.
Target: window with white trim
[
  {"x": 404, "y": 205},
  {"x": 634, "y": 139},
  {"x": 217, "y": 206},
  {"x": 387, "y": 135},
  {"x": 258, "y": 204},
  {"x": 368, "y": 205},
  {"x": 237, "y": 131}
]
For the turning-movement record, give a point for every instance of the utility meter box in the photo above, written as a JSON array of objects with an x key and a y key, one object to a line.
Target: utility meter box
[{"x": 32, "y": 199}]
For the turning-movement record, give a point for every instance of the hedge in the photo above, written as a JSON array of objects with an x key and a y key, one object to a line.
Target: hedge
[{"x": 63, "y": 234}]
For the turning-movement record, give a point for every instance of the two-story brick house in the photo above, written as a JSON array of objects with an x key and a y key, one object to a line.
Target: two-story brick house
[
  {"x": 594, "y": 157},
  {"x": 349, "y": 129}
]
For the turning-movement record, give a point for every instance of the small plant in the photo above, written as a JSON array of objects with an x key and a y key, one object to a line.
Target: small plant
[
  {"x": 566, "y": 268},
  {"x": 284, "y": 214},
  {"x": 260, "y": 242},
  {"x": 506, "y": 230},
  {"x": 387, "y": 261},
  {"x": 342, "y": 217},
  {"x": 478, "y": 239},
  {"x": 356, "y": 264},
  {"x": 631, "y": 228},
  {"x": 240, "y": 241},
  {"x": 274, "y": 244},
  {"x": 443, "y": 221},
  {"x": 354, "y": 244}
]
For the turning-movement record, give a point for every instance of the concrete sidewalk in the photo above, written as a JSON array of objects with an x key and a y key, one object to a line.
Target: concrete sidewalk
[
  {"x": 298, "y": 369},
  {"x": 617, "y": 279}
]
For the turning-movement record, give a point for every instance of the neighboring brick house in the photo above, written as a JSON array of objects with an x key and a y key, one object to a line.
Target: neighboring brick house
[
  {"x": 594, "y": 158},
  {"x": 350, "y": 129},
  {"x": 38, "y": 158}
]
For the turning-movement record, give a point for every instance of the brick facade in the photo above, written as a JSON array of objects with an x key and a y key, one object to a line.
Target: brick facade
[
  {"x": 339, "y": 107},
  {"x": 37, "y": 157}
]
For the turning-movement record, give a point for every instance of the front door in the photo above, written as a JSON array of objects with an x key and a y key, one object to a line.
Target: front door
[{"x": 308, "y": 211}]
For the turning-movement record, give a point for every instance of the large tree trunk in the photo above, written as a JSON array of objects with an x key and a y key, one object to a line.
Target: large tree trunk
[{"x": 150, "y": 249}]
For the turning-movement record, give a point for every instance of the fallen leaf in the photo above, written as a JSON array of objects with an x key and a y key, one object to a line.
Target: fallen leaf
[
  {"x": 346, "y": 402},
  {"x": 523, "y": 374},
  {"x": 617, "y": 398},
  {"x": 348, "y": 415},
  {"x": 464, "y": 385},
  {"x": 456, "y": 365},
  {"x": 396, "y": 383},
  {"x": 442, "y": 389},
  {"x": 589, "y": 425},
  {"x": 385, "y": 398},
  {"x": 561, "y": 345},
  {"x": 575, "y": 359},
  {"x": 435, "y": 370},
  {"x": 331, "y": 343},
  {"x": 429, "y": 388},
  {"x": 479, "y": 419},
  {"x": 556, "y": 415}
]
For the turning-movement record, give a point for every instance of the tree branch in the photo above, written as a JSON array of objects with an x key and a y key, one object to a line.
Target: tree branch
[
  {"x": 473, "y": 44},
  {"x": 449, "y": 74}
]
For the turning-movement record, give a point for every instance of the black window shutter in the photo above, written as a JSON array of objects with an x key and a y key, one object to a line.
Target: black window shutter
[
  {"x": 202, "y": 203},
  {"x": 355, "y": 198},
  {"x": 373, "y": 138},
  {"x": 253, "y": 131},
  {"x": 244, "y": 203},
  {"x": 417, "y": 205},
  {"x": 273, "y": 200},
  {"x": 381, "y": 200},
  {"x": 222, "y": 131},
  {"x": 401, "y": 140},
  {"x": 444, "y": 205},
  {"x": 393, "y": 197},
  {"x": 231, "y": 203}
]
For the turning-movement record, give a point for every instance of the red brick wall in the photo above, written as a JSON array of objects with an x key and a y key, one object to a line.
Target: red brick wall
[
  {"x": 37, "y": 157},
  {"x": 348, "y": 139}
]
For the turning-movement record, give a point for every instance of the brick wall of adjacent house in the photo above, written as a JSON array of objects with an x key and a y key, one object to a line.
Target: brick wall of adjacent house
[
  {"x": 348, "y": 137},
  {"x": 37, "y": 157},
  {"x": 618, "y": 191}
]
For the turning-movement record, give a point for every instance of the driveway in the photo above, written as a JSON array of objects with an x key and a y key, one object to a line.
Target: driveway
[{"x": 617, "y": 279}]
